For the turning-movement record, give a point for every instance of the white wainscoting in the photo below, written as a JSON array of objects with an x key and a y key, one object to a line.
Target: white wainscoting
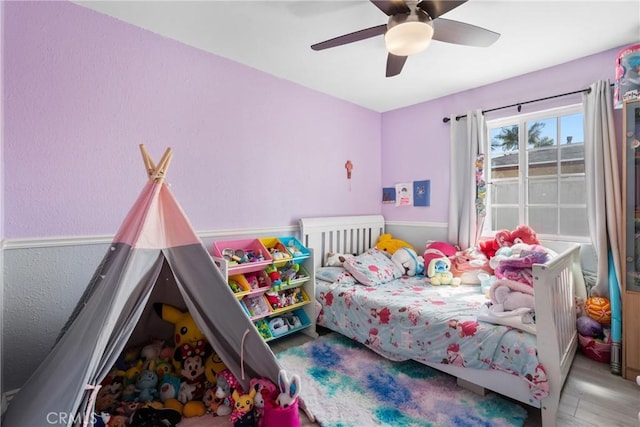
[{"x": 44, "y": 278}]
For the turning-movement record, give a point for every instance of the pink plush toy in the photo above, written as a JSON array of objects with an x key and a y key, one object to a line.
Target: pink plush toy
[
  {"x": 491, "y": 246},
  {"x": 521, "y": 234},
  {"x": 524, "y": 234},
  {"x": 435, "y": 250}
]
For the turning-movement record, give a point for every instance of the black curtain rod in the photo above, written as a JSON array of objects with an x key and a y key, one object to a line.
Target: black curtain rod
[{"x": 520, "y": 104}]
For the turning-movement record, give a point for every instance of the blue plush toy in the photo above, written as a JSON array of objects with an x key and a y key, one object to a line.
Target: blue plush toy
[{"x": 146, "y": 385}]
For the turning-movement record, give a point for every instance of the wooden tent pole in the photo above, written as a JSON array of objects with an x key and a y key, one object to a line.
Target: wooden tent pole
[
  {"x": 161, "y": 170},
  {"x": 148, "y": 163},
  {"x": 156, "y": 172}
]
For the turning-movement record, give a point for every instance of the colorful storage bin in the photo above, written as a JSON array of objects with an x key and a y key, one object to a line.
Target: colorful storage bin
[
  {"x": 288, "y": 322},
  {"x": 243, "y": 255},
  {"x": 286, "y": 299},
  {"x": 256, "y": 306},
  {"x": 292, "y": 279},
  {"x": 263, "y": 328},
  {"x": 297, "y": 250},
  {"x": 239, "y": 285},
  {"x": 258, "y": 282},
  {"x": 277, "y": 250}
]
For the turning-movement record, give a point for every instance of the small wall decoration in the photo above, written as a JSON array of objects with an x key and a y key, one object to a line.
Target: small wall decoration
[
  {"x": 421, "y": 193},
  {"x": 404, "y": 194},
  {"x": 627, "y": 85},
  {"x": 388, "y": 195},
  {"x": 349, "y": 167}
]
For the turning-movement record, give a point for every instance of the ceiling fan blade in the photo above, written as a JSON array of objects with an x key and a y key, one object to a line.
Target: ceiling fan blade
[
  {"x": 392, "y": 7},
  {"x": 436, "y": 8},
  {"x": 446, "y": 30},
  {"x": 351, "y": 37},
  {"x": 395, "y": 64}
]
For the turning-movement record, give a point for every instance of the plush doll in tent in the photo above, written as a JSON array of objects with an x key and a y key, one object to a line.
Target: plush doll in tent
[{"x": 190, "y": 352}]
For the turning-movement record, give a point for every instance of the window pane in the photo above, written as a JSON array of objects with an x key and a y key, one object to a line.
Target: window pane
[
  {"x": 573, "y": 222},
  {"x": 542, "y": 133},
  {"x": 544, "y": 152},
  {"x": 504, "y": 152},
  {"x": 505, "y": 192},
  {"x": 544, "y": 219},
  {"x": 504, "y": 218},
  {"x": 543, "y": 162},
  {"x": 572, "y": 157},
  {"x": 573, "y": 190},
  {"x": 571, "y": 129},
  {"x": 543, "y": 191},
  {"x": 504, "y": 139},
  {"x": 505, "y": 166}
]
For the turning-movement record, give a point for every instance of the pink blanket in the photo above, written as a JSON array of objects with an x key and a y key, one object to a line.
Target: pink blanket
[
  {"x": 510, "y": 295},
  {"x": 519, "y": 268}
]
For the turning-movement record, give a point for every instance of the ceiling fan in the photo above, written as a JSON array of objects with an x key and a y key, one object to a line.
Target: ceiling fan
[{"x": 411, "y": 27}]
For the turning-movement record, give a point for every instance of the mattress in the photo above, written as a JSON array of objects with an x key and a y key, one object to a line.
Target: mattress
[{"x": 408, "y": 318}]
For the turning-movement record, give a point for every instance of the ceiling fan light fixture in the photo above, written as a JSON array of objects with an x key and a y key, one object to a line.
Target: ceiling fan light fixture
[{"x": 408, "y": 34}]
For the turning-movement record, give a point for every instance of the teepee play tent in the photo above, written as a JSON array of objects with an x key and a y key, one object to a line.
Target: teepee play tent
[{"x": 155, "y": 256}]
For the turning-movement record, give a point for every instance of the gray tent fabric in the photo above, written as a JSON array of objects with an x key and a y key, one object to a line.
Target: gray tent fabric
[{"x": 155, "y": 257}]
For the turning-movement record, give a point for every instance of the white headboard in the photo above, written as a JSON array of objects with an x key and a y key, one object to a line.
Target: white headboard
[{"x": 342, "y": 234}]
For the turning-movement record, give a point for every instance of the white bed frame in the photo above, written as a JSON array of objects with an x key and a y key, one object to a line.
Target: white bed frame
[{"x": 554, "y": 287}]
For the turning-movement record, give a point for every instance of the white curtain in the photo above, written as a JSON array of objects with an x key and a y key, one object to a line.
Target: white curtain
[
  {"x": 604, "y": 204},
  {"x": 467, "y": 143}
]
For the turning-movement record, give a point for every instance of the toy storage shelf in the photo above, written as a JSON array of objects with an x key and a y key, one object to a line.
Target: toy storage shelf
[{"x": 272, "y": 323}]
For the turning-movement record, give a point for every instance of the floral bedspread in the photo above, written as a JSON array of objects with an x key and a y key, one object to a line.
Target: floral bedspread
[{"x": 408, "y": 318}]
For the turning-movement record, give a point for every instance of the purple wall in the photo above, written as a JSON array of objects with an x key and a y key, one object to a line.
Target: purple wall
[
  {"x": 416, "y": 141},
  {"x": 82, "y": 90}
]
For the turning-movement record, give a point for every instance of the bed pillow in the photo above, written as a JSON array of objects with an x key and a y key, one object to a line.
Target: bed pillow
[
  {"x": 335, "y": 275},
  {"x": 372, "y": 268}
]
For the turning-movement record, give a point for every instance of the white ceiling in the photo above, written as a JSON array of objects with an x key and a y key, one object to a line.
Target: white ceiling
[{"x": 274, "y": 36}]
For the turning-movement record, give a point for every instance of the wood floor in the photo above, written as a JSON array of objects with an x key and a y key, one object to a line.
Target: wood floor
[{"x": 592, "y": 396}]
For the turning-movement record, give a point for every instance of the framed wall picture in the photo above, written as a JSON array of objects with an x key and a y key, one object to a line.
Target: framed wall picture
[{"x": 421, "y": 193}]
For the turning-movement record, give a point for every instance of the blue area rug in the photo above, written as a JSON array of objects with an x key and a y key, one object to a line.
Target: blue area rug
[{"x": 345, "y": 384}]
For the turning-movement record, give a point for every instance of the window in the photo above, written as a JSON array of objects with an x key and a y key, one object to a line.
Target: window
[{"x": 535, "y": 168}]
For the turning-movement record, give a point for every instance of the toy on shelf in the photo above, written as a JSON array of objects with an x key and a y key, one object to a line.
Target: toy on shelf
[
  {"x": 297, "y": 250},
  {"x": 263, "y": 328},
  {"x": 256, "y": 306},
  {"x": 289, "y": 273},
  {"x": 278, "y": 326},
  {"x": 293, "y": 249},
  {"x": 274, "y": 299},
  {"x": 240, "y": 256},
  {"x": 274, "y": 275},
  {"x": 292, "y": 320},
  {"x": 285, "y": 298}
]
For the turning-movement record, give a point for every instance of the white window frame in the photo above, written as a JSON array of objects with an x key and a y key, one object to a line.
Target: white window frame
[{"x": 520, "y": 120}]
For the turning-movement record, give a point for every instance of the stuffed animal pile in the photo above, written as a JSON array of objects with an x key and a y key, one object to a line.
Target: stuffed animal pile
[
  {"x": 161, "y": 383},
  {"x": 594, "y": 329},
  {"x": 172, "y": 376},
  {"x": 521, "y": 234}
]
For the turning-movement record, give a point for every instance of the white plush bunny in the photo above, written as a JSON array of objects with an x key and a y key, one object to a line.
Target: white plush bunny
[{"x": 289, "y": 390}]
